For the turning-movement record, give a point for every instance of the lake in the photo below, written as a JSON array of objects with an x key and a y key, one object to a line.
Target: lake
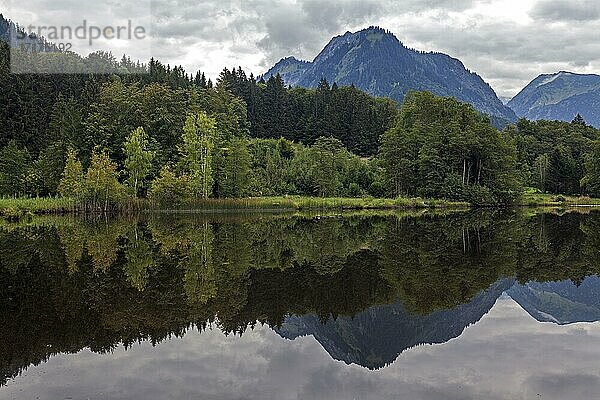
[{"x": 482, "y": 304}]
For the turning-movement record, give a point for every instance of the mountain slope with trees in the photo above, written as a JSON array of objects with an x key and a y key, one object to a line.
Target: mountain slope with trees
[
  {"x": 560, "y": 96},
  {"x": 375, "y": 61}
]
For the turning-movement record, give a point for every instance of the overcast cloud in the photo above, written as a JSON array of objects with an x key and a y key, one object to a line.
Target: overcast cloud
[{"x": 507, "y": 42}]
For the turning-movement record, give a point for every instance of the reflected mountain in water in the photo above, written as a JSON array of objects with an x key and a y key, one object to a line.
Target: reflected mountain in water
[
  {"x": 560, "y": 302},
  {"x": 375, "y": 337}
]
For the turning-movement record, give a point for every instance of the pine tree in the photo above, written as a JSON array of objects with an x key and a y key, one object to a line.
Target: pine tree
[{"x": 578, "y": 120}]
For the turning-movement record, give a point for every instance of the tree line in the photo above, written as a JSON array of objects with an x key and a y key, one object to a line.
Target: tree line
[{"x": 171, "y": 136}]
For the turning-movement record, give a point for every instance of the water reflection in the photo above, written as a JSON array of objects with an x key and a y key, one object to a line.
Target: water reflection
[
  {"x": 560, "y": 302},
  {"x": 367, "y": 287}
]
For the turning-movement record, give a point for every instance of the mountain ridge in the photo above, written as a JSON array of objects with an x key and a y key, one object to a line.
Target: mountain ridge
[
  {"x": 376, "y": 61},
  {"x": 560, "y": 96}
]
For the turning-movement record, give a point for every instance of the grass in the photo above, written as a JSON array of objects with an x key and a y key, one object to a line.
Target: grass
[
  {"x": 15, "y": 208},
  {"x": 312, "y": 203},
  {"x": 552, "y": 200},
  {"x": 19, "y": 207}
]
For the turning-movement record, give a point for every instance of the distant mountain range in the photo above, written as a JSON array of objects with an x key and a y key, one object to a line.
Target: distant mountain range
[
  {"x": 560, "y": 96},
  {"x": 375, "y": 61}
]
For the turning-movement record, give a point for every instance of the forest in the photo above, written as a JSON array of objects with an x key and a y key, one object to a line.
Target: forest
[{"x": 168, "y": 136}]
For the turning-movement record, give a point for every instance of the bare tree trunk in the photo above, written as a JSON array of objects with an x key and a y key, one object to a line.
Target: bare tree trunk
[{"x": 469, "y": 174}]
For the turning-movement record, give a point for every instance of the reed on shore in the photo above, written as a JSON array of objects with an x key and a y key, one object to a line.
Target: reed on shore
[{"x": 17, "y": 207}]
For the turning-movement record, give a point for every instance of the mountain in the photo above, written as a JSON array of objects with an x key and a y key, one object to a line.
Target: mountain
[
  {"x": 560, "y": 302},
  {"x": 375, "y": 61},
  {"x": 375, "y": 337},
  {"x": 560, "y": 96},
  {"x": 5, "y": 27}
]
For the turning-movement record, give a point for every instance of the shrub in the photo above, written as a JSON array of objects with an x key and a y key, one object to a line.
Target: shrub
[{"x": 170, "y": 189}]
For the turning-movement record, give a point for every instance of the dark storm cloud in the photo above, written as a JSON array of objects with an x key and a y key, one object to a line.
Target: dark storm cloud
[{"x": 566, "y": 10}]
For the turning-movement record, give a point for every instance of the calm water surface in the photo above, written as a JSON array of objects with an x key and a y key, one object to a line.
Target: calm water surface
[{"x": 462, "y": 305}]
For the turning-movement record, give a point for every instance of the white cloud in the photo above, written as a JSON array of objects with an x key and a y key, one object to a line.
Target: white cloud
[{"x": 508, "y": 42}]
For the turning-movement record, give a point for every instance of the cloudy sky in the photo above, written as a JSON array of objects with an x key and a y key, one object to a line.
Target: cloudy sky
[{"x": 508, "y": 42}]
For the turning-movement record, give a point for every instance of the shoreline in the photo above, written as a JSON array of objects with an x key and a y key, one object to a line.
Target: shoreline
[{"x": 20, "y": 207}]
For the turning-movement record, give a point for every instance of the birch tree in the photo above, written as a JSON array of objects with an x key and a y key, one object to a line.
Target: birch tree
[{"x": 199, "y": 134}]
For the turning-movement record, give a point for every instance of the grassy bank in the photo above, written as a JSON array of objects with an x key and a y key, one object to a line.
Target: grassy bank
[
  {"x": 553, "y": 200},
  {"x": 312, "y": 203},
  {"x": 14, "y": 208}
]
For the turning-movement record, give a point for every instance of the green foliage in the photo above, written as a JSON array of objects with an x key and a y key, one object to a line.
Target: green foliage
[
  {"x": 14, "y": 170},
  {"x": 235, "y": 176},
  {"x": 198, "y": 141},
  {"x": 72, "y": 182},
  {"x": 138, "y": 159},
  {"x": 327, "y": 157},
  {"x": 446, "y": 149},
  {"x": 303, "y": 115},
  {"x": 437, "y": 147},
  {"x": 168, "y": 189},
  {"x": 48, "y": 170},
  {"x": 551, "y": 154},
  {"x": 66, "y": 122},
  {"x": 271, "y": 172},
  {"x": 102, "y": 189},
  {"x": 591, "y": 181}
]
